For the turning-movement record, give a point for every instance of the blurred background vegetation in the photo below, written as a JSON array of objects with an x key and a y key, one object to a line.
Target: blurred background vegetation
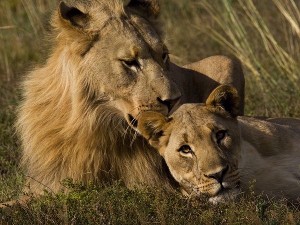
[{"x": 263, "y": 34}]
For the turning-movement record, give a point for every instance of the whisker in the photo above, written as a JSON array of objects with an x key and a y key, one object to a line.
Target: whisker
[{"x": 129, "y": 128}]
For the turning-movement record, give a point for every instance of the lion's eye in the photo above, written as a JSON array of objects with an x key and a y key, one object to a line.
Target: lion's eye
[
  {"x": 220, "y": 135},
  {"x": 185, "y": 149},
  {"x": 165, "y": 57},
  {"x": 132, "y": 64}
]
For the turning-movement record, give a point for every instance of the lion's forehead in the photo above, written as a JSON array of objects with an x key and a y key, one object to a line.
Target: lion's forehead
[
  {"x": 119, "y": 20},
  {"x": 187, "y": 129},
  {"x": 114, "y": 21},
  {"x": 198, "y": 115},
  {"x": 194, "y": 124},
  {"x": 148, "y": 32},
  {"x": 193, "y": 117},
  {"x": 132, "y": 35}
]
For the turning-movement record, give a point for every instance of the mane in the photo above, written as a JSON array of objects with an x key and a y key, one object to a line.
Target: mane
[
  {"x": 68, "y": 132},
  {"x": 66, "y": 135}
]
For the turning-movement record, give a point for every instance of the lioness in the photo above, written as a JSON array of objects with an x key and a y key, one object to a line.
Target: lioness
[
  {"x": 211, "y": 150},
  {"x": 79, "y": 111}
]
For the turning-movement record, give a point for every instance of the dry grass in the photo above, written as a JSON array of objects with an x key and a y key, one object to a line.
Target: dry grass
[
  {"x": 272, "y": 65},
  {"x": 262, "y": 35}
]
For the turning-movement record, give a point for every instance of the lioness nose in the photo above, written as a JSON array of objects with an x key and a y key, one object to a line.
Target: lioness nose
[
  {"x": 218, "y": 175},
  {"x": 169, "y": 102}
]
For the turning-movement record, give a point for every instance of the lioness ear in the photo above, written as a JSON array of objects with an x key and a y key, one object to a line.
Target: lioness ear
[
  {"x": 152, "y": 125},
  {"x": 149, "y": 8},
  {"x": 226, "y": 97},
  {"x": 73, "y": 15}
]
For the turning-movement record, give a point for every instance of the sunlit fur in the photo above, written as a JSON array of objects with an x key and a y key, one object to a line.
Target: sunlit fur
[
  {"x": 73, "y": 119},
  {"x": 67, "y": 127}
]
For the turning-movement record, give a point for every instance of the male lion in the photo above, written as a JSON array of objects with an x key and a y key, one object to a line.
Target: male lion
[
  {"x": 80, "y": 109},
  {"x": 209, "y": 150}
]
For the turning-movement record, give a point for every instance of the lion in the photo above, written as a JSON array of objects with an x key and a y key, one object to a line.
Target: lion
[
  {"x": 80, "y": 109},
  {"x": 212, "y": 151}
]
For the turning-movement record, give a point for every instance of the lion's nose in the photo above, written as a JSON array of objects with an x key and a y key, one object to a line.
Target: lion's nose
[
  {"x": 218, "y": 175},
  {"x": 170, "y": 103}
]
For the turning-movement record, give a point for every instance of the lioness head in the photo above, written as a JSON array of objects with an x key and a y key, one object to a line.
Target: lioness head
[
  {"x": 118, "y": 54},
  {"x": 200, "y": 143}
]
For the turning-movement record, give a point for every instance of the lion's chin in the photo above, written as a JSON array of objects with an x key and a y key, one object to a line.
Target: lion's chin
[{"x": 224, "y": 196}]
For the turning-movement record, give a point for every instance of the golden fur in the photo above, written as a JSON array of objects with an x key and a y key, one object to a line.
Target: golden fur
[
  {"x": 209, "y": 150},
  {"x": 79, "y": 109}
]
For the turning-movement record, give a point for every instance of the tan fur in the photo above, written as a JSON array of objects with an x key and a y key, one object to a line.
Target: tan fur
[
  {"x": 263, "y": 154},
  {"x": 74, "y": 118}
]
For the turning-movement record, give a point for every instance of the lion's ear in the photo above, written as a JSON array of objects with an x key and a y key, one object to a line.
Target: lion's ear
[
  {"x": 226, "y": 97},
  {"x": 73, "y": 15},
  {"x": 149, "y": 8},
  {"x": 152, "y": 125}
]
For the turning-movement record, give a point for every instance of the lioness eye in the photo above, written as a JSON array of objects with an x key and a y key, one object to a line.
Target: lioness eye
[
  {"x": 165, "y": 57},
  {"x": 185, "y": 149},
  {"x": 131, "y": 64},
  {"x": 220, "y": 135}
]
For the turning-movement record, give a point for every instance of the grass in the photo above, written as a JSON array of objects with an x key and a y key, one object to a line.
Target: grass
[
  {"x": 115, "y": 204},
  {"x": 264, "y": 35}
]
